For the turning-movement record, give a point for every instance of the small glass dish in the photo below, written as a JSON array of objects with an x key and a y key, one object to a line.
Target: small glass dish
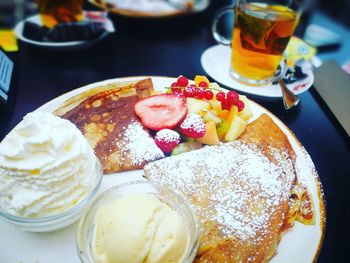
[
  {"x": 60, "y": 220},
  {"x": 86, "y": 225}
]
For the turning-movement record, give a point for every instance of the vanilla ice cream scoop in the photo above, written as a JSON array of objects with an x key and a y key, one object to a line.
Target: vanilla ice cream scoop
[
  {"x": 139, "y": 228},
  {"x": 46, "y": 167}
]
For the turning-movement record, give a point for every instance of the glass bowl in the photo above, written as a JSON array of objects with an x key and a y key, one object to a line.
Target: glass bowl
[
  {"x": 86, "y": 225},
  {"x": 60, "y": 220}
]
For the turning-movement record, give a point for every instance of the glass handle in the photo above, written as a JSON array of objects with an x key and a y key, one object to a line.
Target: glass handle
[{"x": 219, "y": 38}]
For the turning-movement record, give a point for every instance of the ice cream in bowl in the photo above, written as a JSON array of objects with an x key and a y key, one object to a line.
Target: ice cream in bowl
[
  {"x": 138, "y": 222},
  {"x": 48, "y": 173}
]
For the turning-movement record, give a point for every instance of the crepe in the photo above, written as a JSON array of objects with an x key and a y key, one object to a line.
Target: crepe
[
  {"x": 105, "y": 115},
  {"x": 240, "y": 191}
]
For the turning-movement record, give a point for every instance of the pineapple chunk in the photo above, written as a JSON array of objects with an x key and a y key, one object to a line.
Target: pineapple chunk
[
  {"x": 237, "y": 127},
  {"x": 246, "y": 113},
  {"x": 197, "y": 106},
  {"x": 216, "y": 105},
  {"x": 198, "y": 79},
  {"x": 232, "y": 113},
  {"x": 211, "y": 116},
  {"x": 211, "y": 136}
]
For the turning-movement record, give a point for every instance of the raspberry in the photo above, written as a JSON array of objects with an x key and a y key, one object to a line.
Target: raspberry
[
  {"x": 174, "y": 84},
  {"x": 220, "y": 96},
  {"x": 193, "y": 126},
  {"x": 182, "y": 81},
  {"x": 167, "y": 140}
]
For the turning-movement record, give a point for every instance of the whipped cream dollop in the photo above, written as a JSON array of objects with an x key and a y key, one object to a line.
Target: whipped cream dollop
[{"x": 46, "y": 166}]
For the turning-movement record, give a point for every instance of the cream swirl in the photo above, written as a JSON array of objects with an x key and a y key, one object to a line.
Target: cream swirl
[{"x": 46, "y": 166}]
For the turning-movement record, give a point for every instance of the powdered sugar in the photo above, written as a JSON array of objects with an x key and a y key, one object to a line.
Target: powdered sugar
[
  {"x": 140, "y": 145},
  {"x": 234, "y": 186},
  {"x": 167, "y": 135}
]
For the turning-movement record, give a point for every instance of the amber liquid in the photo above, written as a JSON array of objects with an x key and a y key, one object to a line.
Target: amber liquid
[
  {"x": 260, "y": 36},
  {"x": 53, "y": 12}
]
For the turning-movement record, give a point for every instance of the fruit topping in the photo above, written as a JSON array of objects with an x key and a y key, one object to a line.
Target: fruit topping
[
  {"x": 186, "y": 147},
  {"x": 240, "y": 105},
  {"x": 232, "y": 97},
  {"x": 189, "y": 91},
  {"x": 198, "y": 79},
  {"x": 220, "y": 96},
  {"x": 208, "y": 95},
  {"x": 193, "y": 126},
  {"x": 167, "y": 140},
  {"x": 203, "y": 84},
  {"x": 163, "y": 111},
  {"x": 199, "y": 93},
  {"x": 182, "y": 81}
]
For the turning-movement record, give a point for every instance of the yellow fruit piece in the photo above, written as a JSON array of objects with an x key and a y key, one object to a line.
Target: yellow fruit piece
[
  {"x": 223, "y": 114},
  {"x": 236, "y": 129},
  {"x": 222, "y": 129},
  {"x": 211, "y": 116},
  {"x": 198, "y": 79},
  {"x": 197, "y": 106},
  {"x": 232, "y": 113},
  {"x": 211, "y": 136},
  {"x": 246, "y": 113},
  {"x": 216, "y": 105}
]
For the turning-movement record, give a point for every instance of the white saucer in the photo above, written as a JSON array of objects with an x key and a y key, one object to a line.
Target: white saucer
[
  {"x": 60, "y": 46},
  {"x": 216, "y": 62}
]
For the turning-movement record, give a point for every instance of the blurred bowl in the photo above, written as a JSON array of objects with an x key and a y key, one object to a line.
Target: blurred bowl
[
  {"x": 60, "y": 220},
  {"x": 86, "y": 228}
]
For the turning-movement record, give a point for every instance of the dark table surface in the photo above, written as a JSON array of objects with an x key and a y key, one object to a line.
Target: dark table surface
[{"x": 171, "y": 47}]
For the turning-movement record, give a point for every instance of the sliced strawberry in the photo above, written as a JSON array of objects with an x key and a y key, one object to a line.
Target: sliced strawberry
[
  {"x": 167, "y": 140},
  {"x": 193, "y": 126},
  {"x": 164, "y": 111}
]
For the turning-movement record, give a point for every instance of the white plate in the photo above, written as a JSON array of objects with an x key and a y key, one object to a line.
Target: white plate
[
  {"x": 59, "y": 46},
  {"x": 299, "y": 244},
  {"x": 216, "y": 62},
  {"x": 110, "y": 6}
]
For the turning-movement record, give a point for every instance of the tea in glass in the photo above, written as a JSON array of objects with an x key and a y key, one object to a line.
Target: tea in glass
[
  {"x": 53, "y": 12},
  {"x": 261, "y": 34}
]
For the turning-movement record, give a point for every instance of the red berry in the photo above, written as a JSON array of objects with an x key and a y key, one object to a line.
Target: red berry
[
  {"x": 203, "y": 84},
  {"x": 167, "y": 140},
  {"x": 175, "y": 90},
  {"x": 189, "y": 91},
  {"x": 182, "y": 81},
  {"x": 193, "y": 126},
  {"x": 208, "y": 94},
  {"x": 199, "y": 93},
  {"x": 161, "y": 111},
  {"x": 240, "y": 105},
  {"x": 232, "y": 97},
  {"x": 225, "y": 105},
  {"x": 193, "y": 86},
  {"x": 220, "y": 96},
  {"x": 174, "y": 84}
]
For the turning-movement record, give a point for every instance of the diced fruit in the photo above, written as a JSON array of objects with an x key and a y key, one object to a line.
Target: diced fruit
[
  {"x": 240, "y": 105},
  {"x": 211, "y": 136},
  {"x": 182, "y": 81},
  {"x": 198, "y": 79},
  {"x": 208, "y": 95},
  {"x": 223, "y": 114},
  {"x": 203, "y": 84},
  {"x": 193, "y": 126},
  {"x": 232, "y": 114},
  {"x": 197, "y": 106},
  {"x": 211, "y": 116},
  {"x": 246, "y": 113},
  {"x": 222, "y": 129},
  {"x": 237, "y": 127},
  {"x": 214, "y": 85},
  {"x": 216, "y": 105},
  {"x": 220, "y": 96},
  {"x": 167, "y": 140},
  {"x": 163, "y": 111},
  {"x": 186, "y": 147}
]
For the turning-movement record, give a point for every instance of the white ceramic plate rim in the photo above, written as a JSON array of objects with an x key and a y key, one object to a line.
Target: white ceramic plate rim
[
  {"x": 216, "y": 62},
  {"x": 45, "y": 245},
  {"x": 36, "y": 19}
]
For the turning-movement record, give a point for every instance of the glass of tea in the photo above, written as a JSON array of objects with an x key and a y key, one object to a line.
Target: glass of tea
[
  {"x": 53, "y": 12},
  {"x": 261, "y": 32}
]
